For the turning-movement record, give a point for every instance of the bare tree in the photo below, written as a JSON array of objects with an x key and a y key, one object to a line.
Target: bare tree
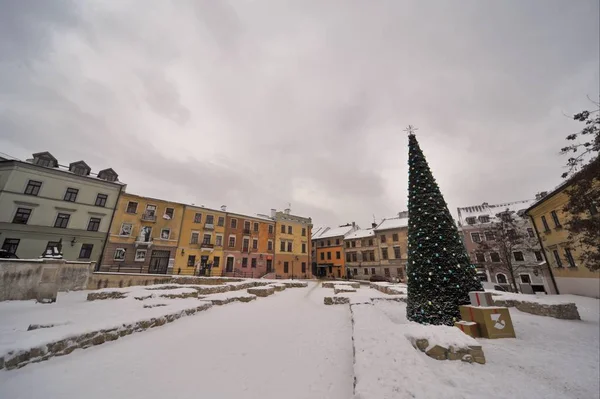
[{"x": 510, "y": 241}]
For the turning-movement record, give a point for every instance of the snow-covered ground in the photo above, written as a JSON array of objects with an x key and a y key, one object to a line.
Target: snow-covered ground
[{"x": 288, "y": 345}]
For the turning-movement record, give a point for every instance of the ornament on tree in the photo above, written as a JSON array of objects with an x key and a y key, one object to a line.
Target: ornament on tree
[{"x": 433, "y": 298}]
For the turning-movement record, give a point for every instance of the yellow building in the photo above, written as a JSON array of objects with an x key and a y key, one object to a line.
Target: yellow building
[
  {"x": 143, "y": 236},
  {"x": 563, "y": 257},
  {"x": 200, "y": 249},
  {"x": 292, "y": 245}
]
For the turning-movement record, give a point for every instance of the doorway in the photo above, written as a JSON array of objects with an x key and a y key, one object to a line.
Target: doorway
[
  {"x": 229, "y": 264},
  {"x": 159, "y": 262}
]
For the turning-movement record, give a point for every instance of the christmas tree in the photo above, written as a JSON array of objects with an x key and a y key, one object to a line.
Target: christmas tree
[{"x": 440, "y": 274}]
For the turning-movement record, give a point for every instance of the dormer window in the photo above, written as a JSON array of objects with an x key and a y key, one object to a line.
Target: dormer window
[
  {"x": 484, "y": 219},
  {"x": 470, "y": 220},
  {"x": 80, "y": 168},
  {"x": 108, "y": 175},
  {"x": 45, "y": 159}
]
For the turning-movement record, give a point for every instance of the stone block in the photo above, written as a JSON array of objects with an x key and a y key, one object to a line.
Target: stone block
[
  {"x": 336, "y": 300},
  {"x": 261, "y": 291},
  {"x": 422, "y": 344},
  {"x": 98, "y": 339},
  {"x": 438, "y": 353}
]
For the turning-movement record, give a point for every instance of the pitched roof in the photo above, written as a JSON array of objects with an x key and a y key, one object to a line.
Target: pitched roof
[
  {"x": 492, "y": 210},
  {"x": 337, "y": 231},
  {"x": 317, "y": 231},
  {"x": 362, "y": 233},
  {"x": 392, "y": 223}
]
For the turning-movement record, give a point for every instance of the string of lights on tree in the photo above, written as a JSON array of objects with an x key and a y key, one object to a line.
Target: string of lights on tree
[{"x": 440, "y": 274}]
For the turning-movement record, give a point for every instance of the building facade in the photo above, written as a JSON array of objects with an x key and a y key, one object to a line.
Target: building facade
[
  {"x": 249, "y": 245},
  {"x": 392, "y": 237},
  {"x": 45, "y": 205},
  {"x": 292, "y": 244},
  {"x": 563, "y": 256},
  {"x": 200, "y": 249},
  {"x": 329, "y": 250},
  {"x": 361, "y": 250},
  {"x": 502, "y": 262},
  {"x": 144, "y": 236}
]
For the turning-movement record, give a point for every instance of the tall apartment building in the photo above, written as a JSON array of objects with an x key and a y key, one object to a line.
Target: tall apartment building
[
  {"x": 45, "y": 205},
  {"x": 292, "y": 244},
  {"x": 562, "y": 255},
  {"x": 361, "y": 249},
  {"x": 329, "y": 250},
  {"x": 486, "y": 229},
  {"x": 144, "y": 236},
  {"x": 392, "y": 236}
]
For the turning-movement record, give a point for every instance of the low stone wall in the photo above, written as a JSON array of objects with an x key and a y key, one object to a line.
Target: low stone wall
[
  {"x": 389, "y": 289},
  {"x": 567, "y": 311},
  {"x": 278, "y": 287},
  {"x": 214, "y": 289},
  {"x": 74, "y": 276},
  {"x": 337, "y": 289},
  {"x": 295, "y": 284},
  {"x": 261, "y": 291},
  {"x": 65, "y": 346},
  {"x": 225, "y": 301},
  {"x": 469, "y": 354},
  {"x": 331, "y": 284},
  {"x": 100, "y": 296},
  {"x": 336, "y": 300}
]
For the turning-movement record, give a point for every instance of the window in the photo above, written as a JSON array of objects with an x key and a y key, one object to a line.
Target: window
[
  {"x": 555, "y": 219},
  {"x": 397, "y": 253},
  {"x": 231, "y": 241},
  {"x": 384, "y": 253},
  {"x": 338, "y": 255},
  {"x": 328, "y": 243},
  {"x": 538, "y": 256},
  {"x": 62, "y": 220},
  {"x": 33, "y": 187},
  {"x": 303, "y": 247},
  {"x": 370, "y": 242},
  {"x": 150, "y": 211},
  {"x": 255, "y": 226},
  {"x": 289, "y": 229},
  {"x": 383, "y": 238},
  {"x": 245, "y": 244},
  {"x": 480, "y": 257},
  {"x": 86, "y": 251},
  {"x": 194, "y": 237},
  {"x": 395, "y": 237},
  {"x": 247, "y": 225},
  {"x": 506, "y": 217},
  {"x": 353, "y": 244},
  {"x": 140, "y": 255},
  {"x": 191, "y": 260},
  {"x": 337, "y": 241},
  {"x": 270, "y": 229},
  {"x": 557, "y": 258},
  {"x": 286, "y": 267},
  {"x": 347, "y": 244},
  {"x": 366, "y": 271},
  {"x": 101, "y": 200},
  {"x": 282, "y": 229},
  {"x": 518, "y": 255},
  {"x": 329, "y": 255},
  {"x": 494, "y": 256},
  {"x": 216, "y": 261},
  {"x": 132, "y": 207},
  {"x": 43, "y": 162},
  {"x": 165, "y": 234},
  {"x": 355, "y": 271},
  {"x": 169, "y": 212},
  {"x": 253, "y": 263},
  {"x": 304, "y": 267},
  {"x": 282, "y": 246},
  {"x": 269, "y": 245},
  {"x": 501, "y": 278},
  {"x": 470, "y": 220},
  {"x": 10, "y": 245},
  {"x": 289, "y": 246},
  {"x": 119, "y": 254},
  {"x": 145, "y": 234},
  {"x": 94, "y": 224},
  {"x": 484, "y": 219},
  {"x": 71, "y": 194},
  {"x": 530, "y": 232},
  {"x": 569, "y": 257},
  {"x": 322, "y": 255},
  {"x": 386, "y": 271},
  {"x": 206, "y": 239},
  {"x": 254, "y": 243},
  {"x": 525, "y": 278},
  {"x": 219, "y": 241},
  {"x": 52, "y": 247},
  {"x": 210, "y": 219},
  {"x": 372, "y": 270},
  {"x": 22, "y": 215},
  {"x": 244, "y": 262},
  {"x": 490, "y": 236},
  {"x": 221, "y": 221},
  {"x": 545, "y": 223},
  {"x": 354, "y": 257},
  {"x": 304, "y": 232},
  {"x": 126, "y": 229},
  {"x": 475, "y": 237},
  {"x": 348, "y": 257},
  {"x": 233, "y": 223},
  {"x": 197, "y": 217}
]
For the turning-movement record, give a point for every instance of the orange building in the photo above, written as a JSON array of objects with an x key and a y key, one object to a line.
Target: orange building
[{"x": 329, "y": 250}]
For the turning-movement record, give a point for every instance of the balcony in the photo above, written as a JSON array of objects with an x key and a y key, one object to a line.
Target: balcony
[
  {"x": 209, "y": 226},
  {"x": 207, "y": 245},
  {"x": 149, "y": 217},
  {"x": 246, "y": 231}
]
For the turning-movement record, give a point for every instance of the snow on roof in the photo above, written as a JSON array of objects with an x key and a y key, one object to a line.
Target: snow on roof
[
  {"x": 337, "y": 231},
  {"x": 491, "y": 211},
  {"x": 362, "y": 233},
  {"x": 392, "y": 223},
  {"x": 317, "y": 231}
]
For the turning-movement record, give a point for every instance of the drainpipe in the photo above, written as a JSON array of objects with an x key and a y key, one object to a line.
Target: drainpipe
[
  {"x": 537, "y": 233},
  {"x": 109, "y": 227},
  {"x": 179, "y": 237}
]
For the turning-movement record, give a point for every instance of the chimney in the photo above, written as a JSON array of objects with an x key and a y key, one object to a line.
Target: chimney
[
  {"x": 541, "y": 195},
  {"x": 373, "y": 225},
  {"x": 273, "y": 212},
  {"x": 403, "y": 214},
  {"x": 353, "y": 224},
  {"x": 224, "y": 208},
  {"x": 485, "y": 205},
  {"x": 287, "y": 211}
]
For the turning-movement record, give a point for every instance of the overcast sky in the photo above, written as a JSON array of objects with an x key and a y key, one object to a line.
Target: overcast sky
[{"x": 256, "y": 104}]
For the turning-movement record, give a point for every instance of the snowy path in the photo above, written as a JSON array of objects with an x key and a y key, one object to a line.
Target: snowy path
[{"x": 286, "y": 346}]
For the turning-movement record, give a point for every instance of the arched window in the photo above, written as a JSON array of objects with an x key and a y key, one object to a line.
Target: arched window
[{"x": 501, "y": 278}]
